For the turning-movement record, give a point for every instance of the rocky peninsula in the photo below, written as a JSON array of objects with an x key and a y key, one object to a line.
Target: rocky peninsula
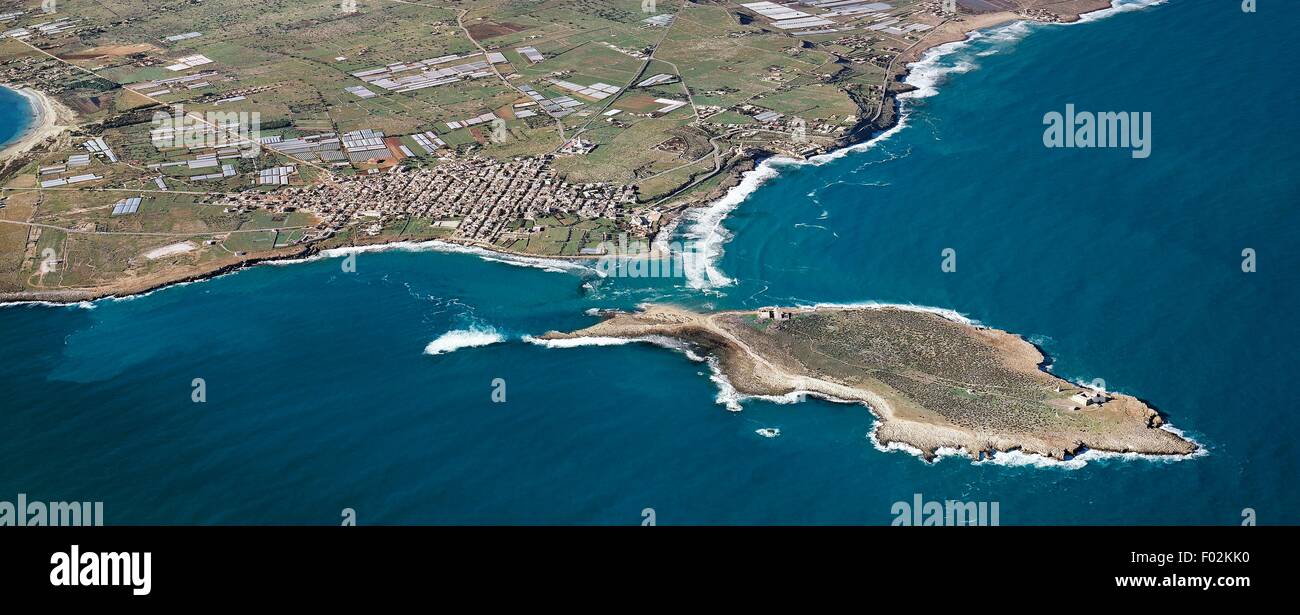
[{"x": 933, "y": 381}]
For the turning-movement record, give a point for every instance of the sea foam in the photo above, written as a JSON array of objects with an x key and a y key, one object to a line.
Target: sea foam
[
  {"x": 545, "y": 264},
  {"x": 1116, "y": 7},
  {"x": 83, "y": 305},
  {"x": 473, "y": 337},
  {"x": 704, "y": 226},
  {"x": 597, "y": 340},
  {"x": 1020, "y": 459},
  {"x": 946, "y": 313}
]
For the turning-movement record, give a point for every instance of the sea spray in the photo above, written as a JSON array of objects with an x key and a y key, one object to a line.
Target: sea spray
[
  {"x": 704, "y": 227},
  {"x": 83, "y": 305},
  {"x": 472, "y": 337},
  {"x": 545, "y": 264},
  {"x": 945, "y": 313}
]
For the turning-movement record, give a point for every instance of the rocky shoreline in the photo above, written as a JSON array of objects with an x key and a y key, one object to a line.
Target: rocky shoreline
[
  {"x": 292, "y": 253},
  {"x": 934, "y": 383},
  {"x": 888, "y": 114}
]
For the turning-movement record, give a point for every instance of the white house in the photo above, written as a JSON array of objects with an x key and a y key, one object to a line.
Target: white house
[{"x": 1087, "y": 398}]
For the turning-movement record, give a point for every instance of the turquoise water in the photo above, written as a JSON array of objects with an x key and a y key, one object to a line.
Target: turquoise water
[
  {"x": 320, "y": 395},
  {"x": 15, "y": 115}
]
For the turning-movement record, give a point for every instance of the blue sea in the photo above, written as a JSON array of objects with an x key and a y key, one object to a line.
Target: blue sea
[
  {"x": 15, "y": 115},
  {"x": 381, "y": 390}
]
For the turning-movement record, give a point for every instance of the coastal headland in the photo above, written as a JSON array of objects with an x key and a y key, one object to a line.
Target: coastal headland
[
  {"x": 934, "y": 382},
  {"x": 691, "y": 100}
]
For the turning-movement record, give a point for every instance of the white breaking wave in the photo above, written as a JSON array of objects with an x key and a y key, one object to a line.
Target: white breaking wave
[
  {"x": 732, "y": 399},
  {"x": 727, "y": 395},
  {"x": 83, "y": 305},
  {"x": 473, "y": 337},
  {"x": 117, "y": 299},
  {"x": 597, "y": 340},
  {"x": 576, "y": 342},
  {"x": 1012, "y": 32},
  {"x": 545, "y": 264},
  {"x": 927, "y": 73},
  {"x": 704, "y": 224},
  {"x": 1116, "y": 7},
  {"x": 816, "y": 226},
  {"x": 1019, "y": 458},
  {"x": 952, "y": 315},
  {"x": 704, "y": 227}
]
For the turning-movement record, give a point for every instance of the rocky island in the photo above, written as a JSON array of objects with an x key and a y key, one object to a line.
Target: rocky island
[{"x": 933, "y": 382}]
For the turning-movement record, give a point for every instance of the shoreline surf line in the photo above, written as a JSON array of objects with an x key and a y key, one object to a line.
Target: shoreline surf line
[{"x": 545, "y": 264}]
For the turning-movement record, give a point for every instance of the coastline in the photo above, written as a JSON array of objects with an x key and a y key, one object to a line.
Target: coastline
[
  {"x": 741, "y": 175},
  {"x": 773, "y": 363},
  {"x": 49, "y": 119},
  {"x": 702, "y": 218},
  {"x": 285, "y": 256}
]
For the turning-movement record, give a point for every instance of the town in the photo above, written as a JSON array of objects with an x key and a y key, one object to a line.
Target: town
[{"x": 480, "y": 198}]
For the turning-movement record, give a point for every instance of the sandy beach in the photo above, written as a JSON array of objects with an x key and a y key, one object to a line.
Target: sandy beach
[{"x": 51, "y": 118}]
